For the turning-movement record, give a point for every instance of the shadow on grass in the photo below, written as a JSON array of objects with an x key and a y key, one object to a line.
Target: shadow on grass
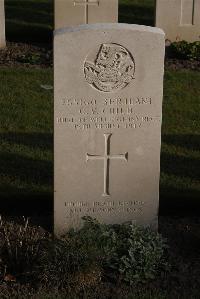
[
  {"x": 21, "y": 171},
  {"x": 27, "y": 170},
  {"x": 176, "y": 202},
  {"x": 136, "y": 13},
  {"x": 29, "y": 21},
  {"x": 183, "y": 167},
  {"x": 40, "y": 11},
  {"x": 179, "y": 201},
  {"x": 27, "y": 33},
  {"x": 33, "y": 140},
  {"x": 186, "y": 141}
]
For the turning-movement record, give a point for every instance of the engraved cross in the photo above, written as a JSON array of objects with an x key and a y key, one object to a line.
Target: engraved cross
[
  {"x": 106, "y": 158},
  {"x": 187, "y": 12},
  {"x": 87, "y": 3}
]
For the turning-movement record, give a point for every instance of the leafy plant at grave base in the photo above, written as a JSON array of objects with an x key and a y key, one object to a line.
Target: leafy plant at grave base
[
  {"x": 20, "y": 249},
  {"x": 186, "y": 50},
  {"x": 134, "y": 252},
  {"x": 32, "y": 58},
  {"x": 127, "y": 252}
]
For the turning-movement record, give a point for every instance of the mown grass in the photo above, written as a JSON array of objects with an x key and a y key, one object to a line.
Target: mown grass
[
  {"x": 29, "y": 20},
  {"x": 26, "y": 143},
  {"x": 180, "y": 156},
  {"x": 26, "y": 139},
  {"x": 137, "y": 12}
]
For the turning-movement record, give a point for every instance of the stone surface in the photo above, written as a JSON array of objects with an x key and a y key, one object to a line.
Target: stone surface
[
  {"x": 77, "y": 12},
  {"x": 180, "y": 19},
  {"x": 2, "y": 25},
  {"x": 108, "y": 105}
]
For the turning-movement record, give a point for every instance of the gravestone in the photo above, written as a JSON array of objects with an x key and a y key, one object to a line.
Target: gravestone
[
  {"x": 108, "y": 106},
  {"x": 77, "y": 12},
  {"x": 2, "y": 25},
  {"x": 180, "y": 19}
]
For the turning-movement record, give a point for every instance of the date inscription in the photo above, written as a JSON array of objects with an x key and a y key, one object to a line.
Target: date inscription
[{"x": 74, "y": 209}]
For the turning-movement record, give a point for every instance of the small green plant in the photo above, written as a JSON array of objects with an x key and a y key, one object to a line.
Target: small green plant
[
  {"x": 136, "y": 253},
  {"x": 31, "y": 58},
  {"x": 186, "y": 50}
]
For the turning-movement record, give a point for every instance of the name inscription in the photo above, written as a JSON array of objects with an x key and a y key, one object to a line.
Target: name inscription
[{"x": 109, "y": 113}]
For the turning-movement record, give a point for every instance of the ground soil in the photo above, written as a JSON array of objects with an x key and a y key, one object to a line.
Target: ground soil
[
  {"x": 182, "y": 280},
  {"x": 181, "y": 64},
  {"x": 21, "y": 54}
]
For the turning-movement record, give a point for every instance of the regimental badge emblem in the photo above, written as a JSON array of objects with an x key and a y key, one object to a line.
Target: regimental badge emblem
[{"x": 112, "y": 68}]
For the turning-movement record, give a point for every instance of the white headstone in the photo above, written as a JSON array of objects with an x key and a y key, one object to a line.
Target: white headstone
[
  {"x": 108, "y": 107},
  {"x": 2, "y": 25},
  {"x": 180, "y": 19},
  {"x": 77, "y": 12}
]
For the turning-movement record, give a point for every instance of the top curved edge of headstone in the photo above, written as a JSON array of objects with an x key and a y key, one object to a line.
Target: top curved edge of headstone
[{"x": 109, "y": 26}]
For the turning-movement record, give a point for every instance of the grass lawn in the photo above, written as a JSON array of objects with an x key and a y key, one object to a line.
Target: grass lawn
[
  {"x": 180, "y": 157},
  {"x": 29, "y": 20},
  {"x": 137, "y": 12},
  {"x": 26, "y": 144}
]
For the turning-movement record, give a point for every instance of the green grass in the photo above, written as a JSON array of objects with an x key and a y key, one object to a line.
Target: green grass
[
  {"x": 137, "y": 12},
  {"x": 26, "y": 145},
  {"x": 180, "y": 158},
  {"x": 26, "y": 132},
  {"x": 29, "y": 20}
]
